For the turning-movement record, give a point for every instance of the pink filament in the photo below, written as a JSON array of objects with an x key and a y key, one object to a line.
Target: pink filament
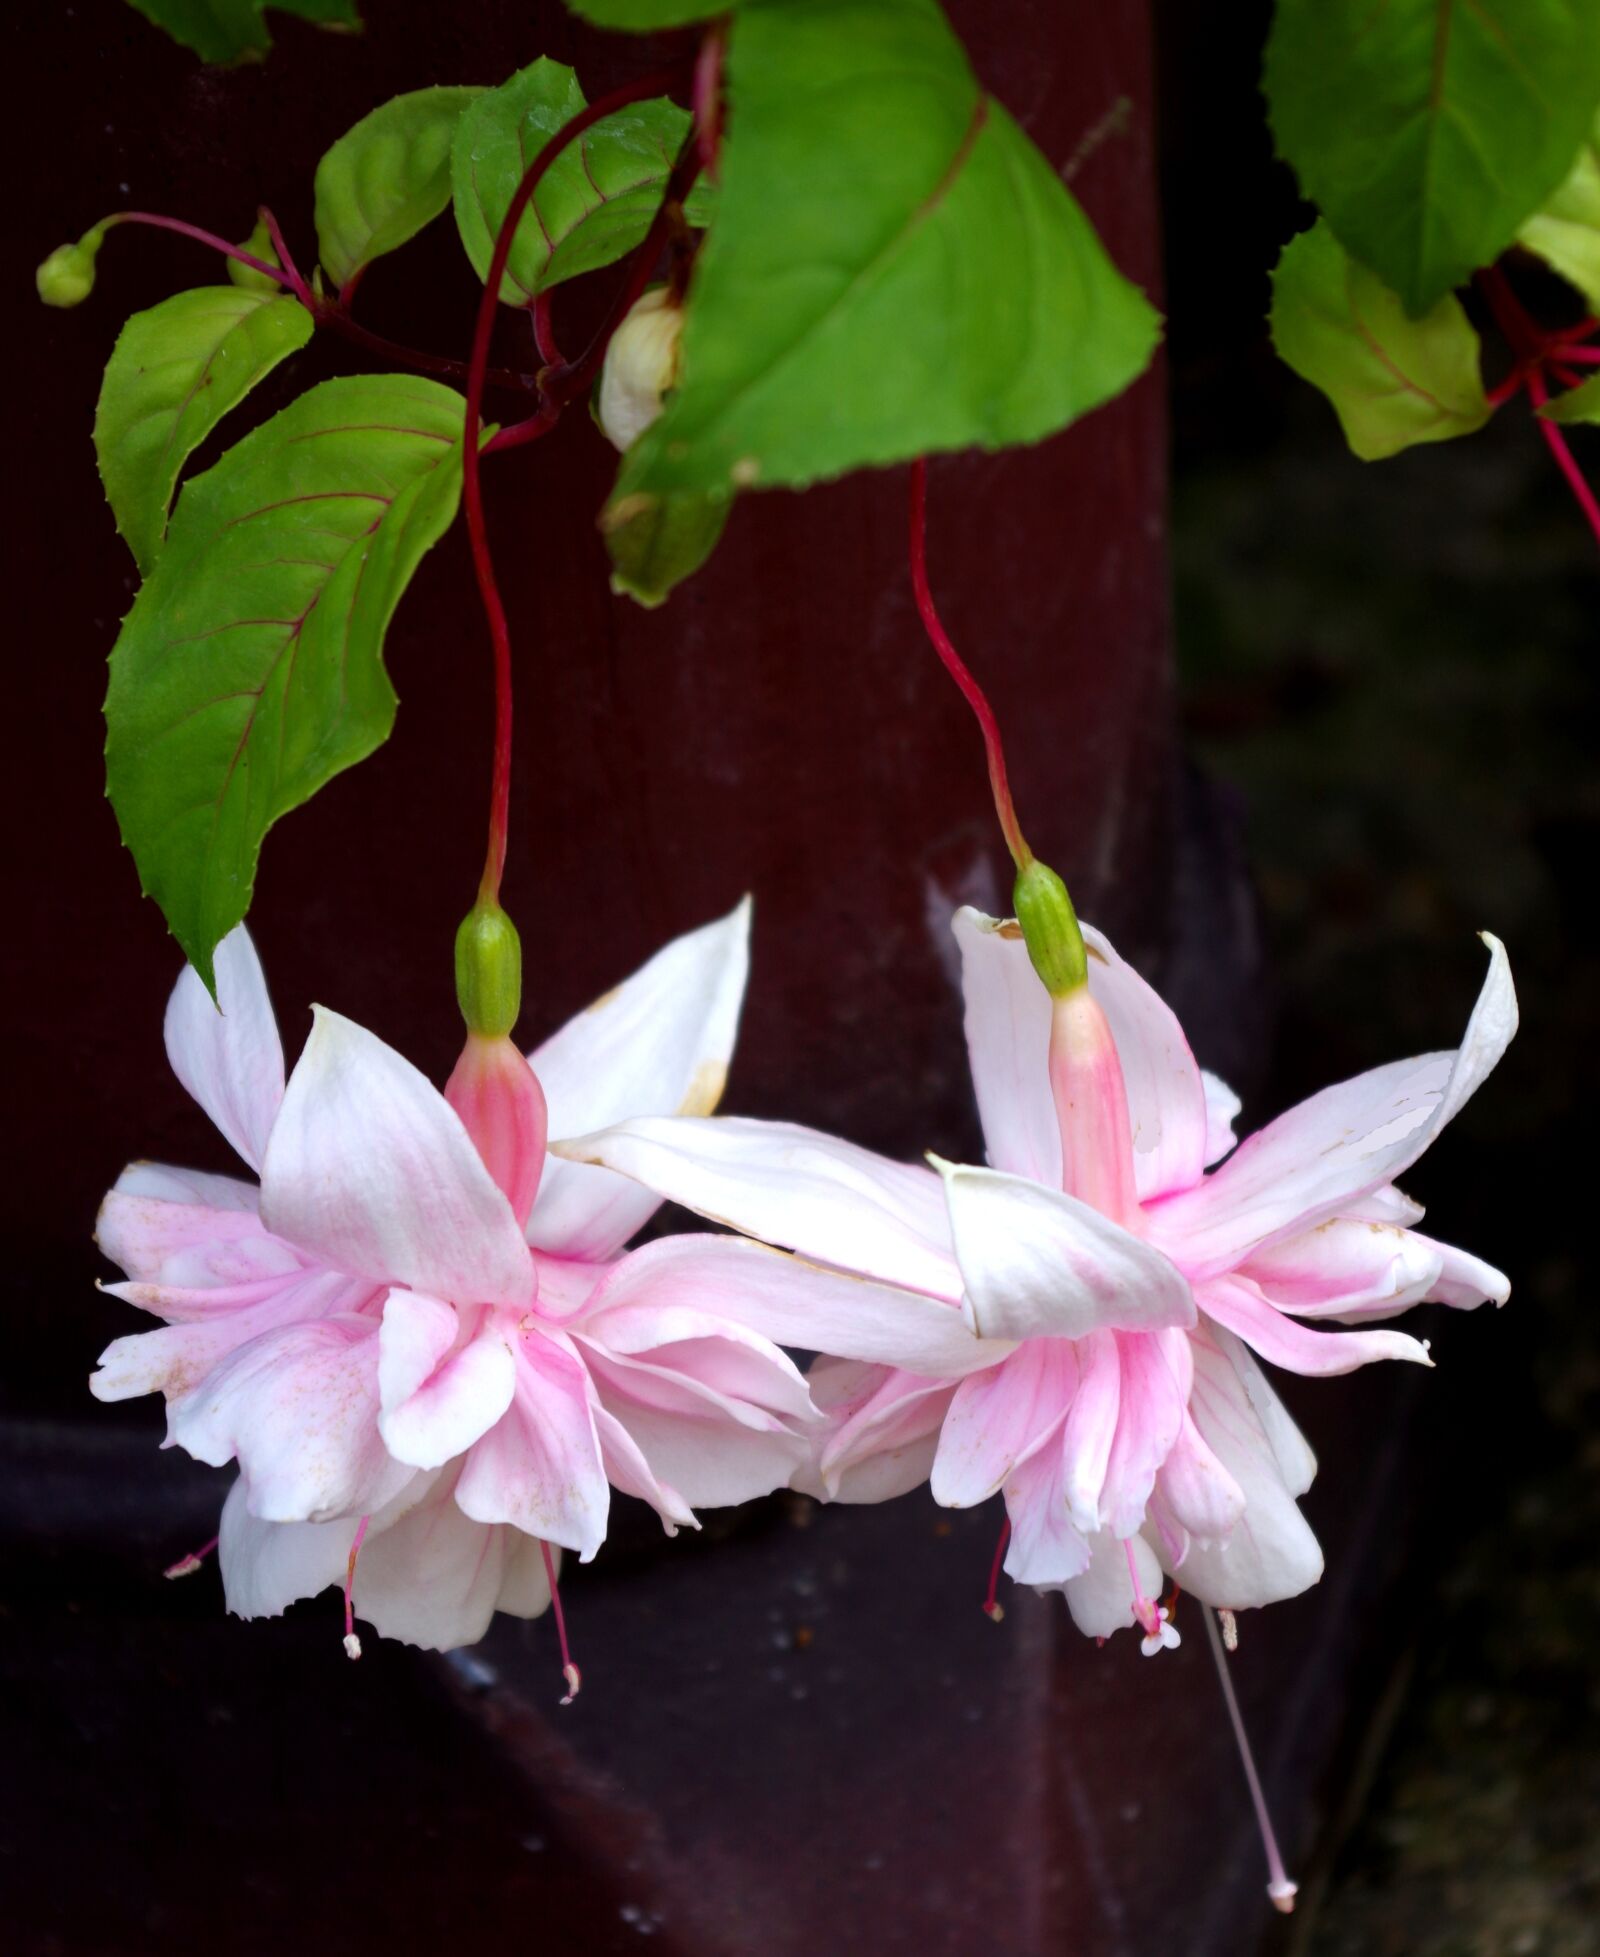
[
  {"x": 569, "y": 1671},
  {"x": 1279, "y": 1887},
  {"x": 350, "y": 1578},
  {"x": 992, "y": 1607}
]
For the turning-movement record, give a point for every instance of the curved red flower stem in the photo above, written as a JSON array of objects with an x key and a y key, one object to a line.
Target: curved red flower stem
[
  {"x": 471, "y": 479},
  {"x": 955, "y": 665}
]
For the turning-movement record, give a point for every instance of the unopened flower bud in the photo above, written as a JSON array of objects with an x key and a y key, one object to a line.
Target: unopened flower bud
[
  {"x": 641, "y": 367},
  {"x": 66, "y": 278},
  {"x": 488, "y": 970},
  {"x": 1050, "y": 929},
  {"x": 259, "y": 245}
]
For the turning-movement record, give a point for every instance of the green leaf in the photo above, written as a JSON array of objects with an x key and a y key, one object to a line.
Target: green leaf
[
  {"x": 894, "y": 268},
  {"x": 655, "y": 542},
  {"x": 595, "y": 202},
  {"x": 1428, "y": 130},
  {"x": 386, "y": 178},
  {"x": 647, "y": 16},
  {"x": 1565, "y": 232},
  {"x": 250, "y": 669},
  {"x": 1394, "y": 381},
  {"x": 174, "y": 373},
  {"x": 225, "y": 31},
  {"x": 1578, "y": 405}
]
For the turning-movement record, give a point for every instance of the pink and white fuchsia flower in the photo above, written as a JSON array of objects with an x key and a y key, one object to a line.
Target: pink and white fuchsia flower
[
  {"x": 1114, "y": 1294},
  {"x": 399, "y": 1362}
]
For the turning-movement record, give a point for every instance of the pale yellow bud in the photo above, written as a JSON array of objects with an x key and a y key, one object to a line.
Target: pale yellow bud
[{"x": 641, "y": 367}]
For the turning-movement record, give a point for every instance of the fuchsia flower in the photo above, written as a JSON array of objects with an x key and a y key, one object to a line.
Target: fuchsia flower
[
  {"x": 398, "y": 1360},
  {"x": 1109, "y": 1385}
]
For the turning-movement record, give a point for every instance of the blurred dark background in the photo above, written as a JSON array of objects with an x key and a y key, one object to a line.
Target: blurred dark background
[{"x": 798, "y": 1731}]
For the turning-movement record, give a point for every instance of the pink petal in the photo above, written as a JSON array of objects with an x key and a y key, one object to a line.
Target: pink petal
[
  {"x": 539, "y": 1466},
  {"x": 228, "y": 1054},
  {"x": 1091, "y": 1428},
  {"x": 1270, "y": 1553},
  {"x": 628, "y": 1470},
  {"x": 660, "y": 1043},
  {"x": 1000, "y": 1418},
  {"x": 726, "y": 1357},
  {"x": 827, "y": 1199},
  {"x": 298, "y": 1408},
  {"x": 1155, "y": 1369},
  {"x": 155, "y": 1240},
  {"x": 1038, "y": 1263},
  {"x": 1297, "y": 1348},
  {"x": 1464, "y": 1281},
  {"x": 1045, "y": 1547},
  {"x": 370, "y": 1169},
  {"x": 1346, "y": 1269},
  {"x": 1341, "y": 1145},
  {"x": 787, "y": 1302},
  {"x": 440, "y": 1391},
  {"x": 883, "y": 1426}
]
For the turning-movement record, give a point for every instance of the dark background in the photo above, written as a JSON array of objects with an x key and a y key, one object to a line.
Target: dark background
[{"x": 797, "y": 1730}]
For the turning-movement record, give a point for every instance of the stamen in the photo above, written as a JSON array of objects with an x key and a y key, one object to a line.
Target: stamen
[
  {"x": 1279, "y": 1887},
  {"x": 1230, "y": 1630},
  {"x": 569, "y": 1671},
  {"x": 993, "y": 1609},
  {"x": 187, "y": 1565},
  {"x": 352, "y": 1644}
]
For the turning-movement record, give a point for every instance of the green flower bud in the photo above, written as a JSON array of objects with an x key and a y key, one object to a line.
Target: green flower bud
[
  {"x": 66, "y": 278},
  {"x": 488, "y": 970},
  {"x": 1050, "y": 929},
  {"x": 259, "y": 245}
]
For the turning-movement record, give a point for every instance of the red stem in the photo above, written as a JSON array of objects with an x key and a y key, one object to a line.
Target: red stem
[
  {"x": 999, "y": 785},
  {"x": 1588, "y": 355},
  {"x": 472, "y": 484},
  {"x": 202, "y": 237},
  {"x": 1557, "y": 443},
  {"x": 297, "y": 285},
  {"x": 544, "y": 333},
  {"x": 707, "y": 99}
]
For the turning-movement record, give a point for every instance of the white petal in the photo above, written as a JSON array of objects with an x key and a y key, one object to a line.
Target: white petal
[
  {"x": 439, "y": 1396},
  {"x": 1345, "y": 1142},
  {"x": 1045, "y": 1549},
  {"x": 788, "y": 1302},
  {"x": 660, "y": 1043},
  {"x": 1155, "y": 1370},
  {"x": 298, "y": 1409},
  {"x": 1038, "y": 1263},
  {"x": 228, "y": 1054},
  {"x": 1222, "y": 1111},
  {"x": 1347, "y": 1269},
  {"x": 1101, "y": 1600},
  {"x": 827, "y": 1199},
  {"x": 883, "y": 1428},
  {"x": 370, "y": 1169},
  {"x": 1464, "y": 1281},
  {"x": 1270, "y": 1553},
  {"x": 1008, "y": 1046}
]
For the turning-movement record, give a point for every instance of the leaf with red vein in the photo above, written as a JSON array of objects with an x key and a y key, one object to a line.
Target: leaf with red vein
[{"x": 250, "y": 670}]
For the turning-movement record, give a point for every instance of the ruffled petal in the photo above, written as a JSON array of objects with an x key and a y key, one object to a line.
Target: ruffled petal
[
  {"x": 298, "y": 1409},
  {"x": 827, "y": 1199},
  {"x": 1038, "y": 1263},
  {"x": 628, "y": 1470},
  {"x": 660, "y": 1043},
  {"x": 370, "y": 1169},
  {"x": 440, "y": 1391},
  {"x": 1222, "y": 1111},
  {"x": 1318, "y": 1159},
  {"x": 1091, "y": 1428},
  {"x": 1298, "y": 1348},
  {"x": 1346, "y": 1269},
  {"x": 1270, "y": 1552},
  {"x": 1199, "y": 1493},
  {"x": 786, "y": 1301},
  {"x": 539, "y": 1466},
  {"x": 1000, "y": 1418},
  {"x": 228, "y": 1054},
  {"x": 1045, "y": 1548},
  {"x": 1464, "y": 1281},
  {"x": 1155, "y": 1374},
  {"x": 883, "y": 1428}
]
